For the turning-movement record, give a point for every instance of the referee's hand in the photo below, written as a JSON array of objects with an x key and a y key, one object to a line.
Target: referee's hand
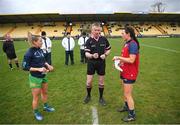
[
  {"x": 103, "y": 56},
  {"x": 95, "y": 55}
]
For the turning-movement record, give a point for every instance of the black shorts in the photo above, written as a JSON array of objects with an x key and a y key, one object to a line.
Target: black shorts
[
  {"x": 96, "y": 65},
  {"x": 127, "y": 81},
  {"x": 11, "y": 55}
]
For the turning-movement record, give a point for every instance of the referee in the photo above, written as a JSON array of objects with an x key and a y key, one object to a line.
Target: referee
[{"x": 97, "y": 48}]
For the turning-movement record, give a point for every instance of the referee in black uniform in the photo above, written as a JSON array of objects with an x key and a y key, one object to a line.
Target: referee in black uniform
[{"x": 97, "y": 48}]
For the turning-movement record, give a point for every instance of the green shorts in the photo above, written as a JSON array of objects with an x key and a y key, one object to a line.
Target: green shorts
[{"x": 35, "y": 82}]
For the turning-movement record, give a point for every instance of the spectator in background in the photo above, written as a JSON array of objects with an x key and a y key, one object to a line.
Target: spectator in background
[
  {"x": 8, "y": 48},
  {"x": 68, "y": 44},
  {"x": 46, "y": 47},
  {"x": 81, "y": 42}
]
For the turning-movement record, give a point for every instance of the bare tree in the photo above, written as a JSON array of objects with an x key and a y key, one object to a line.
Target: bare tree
[{"x": 158, "y": 7}]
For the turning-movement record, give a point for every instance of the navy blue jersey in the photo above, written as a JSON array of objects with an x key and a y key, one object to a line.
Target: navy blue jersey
[{"x": 34, "y": 57}]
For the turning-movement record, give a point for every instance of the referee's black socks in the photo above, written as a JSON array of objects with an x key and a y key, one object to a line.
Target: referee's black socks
[
  {"x": 101, "y": 90},
  {"x": 89, "y": 91}
]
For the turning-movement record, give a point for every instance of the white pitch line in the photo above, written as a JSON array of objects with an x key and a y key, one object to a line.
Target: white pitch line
[
  {"x": 156, "y": 47},
  {"x": 94, "y": 115}
]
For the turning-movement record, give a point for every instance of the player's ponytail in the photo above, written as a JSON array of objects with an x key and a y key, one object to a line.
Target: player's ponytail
[
  {"x": 32, "y": 38},
  {"x": 130, "y": 30}
]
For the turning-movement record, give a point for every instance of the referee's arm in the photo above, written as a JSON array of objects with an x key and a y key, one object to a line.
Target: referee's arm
[
  {"x": 108, "y": 49},
  {"x": 107, "y": 52},
  {"x": 88, "y": 54},
  {"x": 88, "y": 50}
]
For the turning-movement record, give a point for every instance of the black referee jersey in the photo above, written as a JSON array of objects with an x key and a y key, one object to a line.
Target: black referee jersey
[{"x": 101, "y": 46}]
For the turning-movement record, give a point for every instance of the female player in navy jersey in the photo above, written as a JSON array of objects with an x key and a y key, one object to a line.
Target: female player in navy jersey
[
  {"x": 34, "y": 62},
  {"x": 129, "y": 61}
]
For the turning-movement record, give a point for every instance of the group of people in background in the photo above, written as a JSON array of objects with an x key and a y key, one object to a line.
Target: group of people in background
[
  {"x": 68, "y": 44},
  {"x": 93, "y": 50}
]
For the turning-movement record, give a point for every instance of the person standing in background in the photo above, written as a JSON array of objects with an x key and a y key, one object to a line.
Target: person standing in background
[
  {"x": 68, "y": 44},
  {"x": 8, "y": 48},
  {"x": 81, "y": 42},
  {"x": 46, "y": 47}
]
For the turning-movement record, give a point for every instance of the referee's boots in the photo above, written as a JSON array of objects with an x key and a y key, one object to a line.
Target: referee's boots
[
  {"x": 102, "y": 101},
  {"x": 87, "y": 99}
]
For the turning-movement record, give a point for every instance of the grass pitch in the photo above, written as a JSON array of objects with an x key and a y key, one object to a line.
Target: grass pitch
[{"x": 156, "y": 92}]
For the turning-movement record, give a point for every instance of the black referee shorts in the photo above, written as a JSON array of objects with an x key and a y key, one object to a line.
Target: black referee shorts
[{"x": 96, "y": 65}]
